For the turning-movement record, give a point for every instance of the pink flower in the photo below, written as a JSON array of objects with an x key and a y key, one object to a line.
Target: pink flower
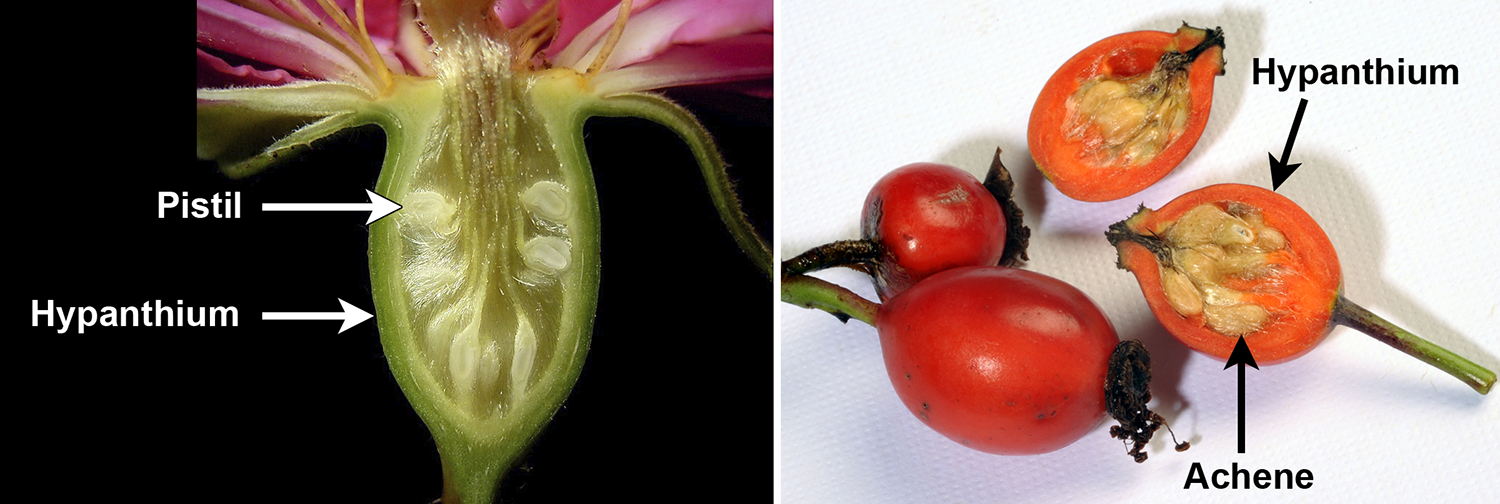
[{"x": 666, "y": 43}]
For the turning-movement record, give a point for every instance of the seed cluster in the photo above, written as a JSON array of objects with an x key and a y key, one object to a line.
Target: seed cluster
[
  {"x": 487, "y": 241},
  {"x": 460, "y": 342},
  {"x": 1225, "y": 265},
  {"x": 1132, "y": 119}
]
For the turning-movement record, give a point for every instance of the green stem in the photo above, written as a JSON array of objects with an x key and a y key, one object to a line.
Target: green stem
[
  {"x": 659, "y": 110},
  {"x": 811, "y": 292},
  {"x": 478, "y": 480},
  {"x": 1347, "y": 313}
]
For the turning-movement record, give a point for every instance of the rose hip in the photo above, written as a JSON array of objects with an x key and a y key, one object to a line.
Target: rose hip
[{"x": 926, "y": 218}]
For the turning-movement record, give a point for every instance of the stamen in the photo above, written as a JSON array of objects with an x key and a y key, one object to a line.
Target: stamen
[
  {"x": 303, "y": 19},
  {"x": 537, "y": 31},
  {"x": 369, "y": 44},
  {"x": 538, "y": 21},
  {"x": 338, "y": 15},
  {"x": 382, "y": 74},
  {"x": 609, "y": 43}
]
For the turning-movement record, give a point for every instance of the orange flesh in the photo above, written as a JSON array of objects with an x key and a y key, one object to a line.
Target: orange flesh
[{"x": 1298, "y": 295}]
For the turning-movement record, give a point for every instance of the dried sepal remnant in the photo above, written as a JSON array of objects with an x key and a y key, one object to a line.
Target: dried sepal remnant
[
  {"x": 1127, "y": 389},
  {"x": 1017, "y": 235},
  {"x": 1225, "y": 264}
]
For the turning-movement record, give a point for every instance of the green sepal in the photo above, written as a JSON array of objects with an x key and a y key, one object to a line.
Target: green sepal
[
  {"x": 658, "y": 109},
  {"x": 247, "y": 130}
]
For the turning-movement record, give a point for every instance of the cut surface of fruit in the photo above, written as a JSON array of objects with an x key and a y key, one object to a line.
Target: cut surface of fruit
[
  {"x": 1233, "y": 260},
  {"x": 1124, "y": 112}
]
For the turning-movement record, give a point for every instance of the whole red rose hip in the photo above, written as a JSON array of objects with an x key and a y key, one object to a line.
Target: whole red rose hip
[
  {"x": 1002, "y": 360},
  {"x": 927, "y": 218}
]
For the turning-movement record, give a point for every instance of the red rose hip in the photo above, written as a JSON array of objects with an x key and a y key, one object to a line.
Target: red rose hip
[
  {"x": 1001, "y": 360},
  {"x": 927, "y": 218}
]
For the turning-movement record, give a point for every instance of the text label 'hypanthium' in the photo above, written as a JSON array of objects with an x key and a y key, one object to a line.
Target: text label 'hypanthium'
[
  {"x": 148, "y": 314},
  {"x": 1371, "y": 72}
]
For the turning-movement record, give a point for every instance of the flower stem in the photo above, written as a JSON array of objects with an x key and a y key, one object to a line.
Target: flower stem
[
  {"x": 1347, "y": 313},
  {"x": 659, "y": 110},
  {"x": 811, "y": 292}
]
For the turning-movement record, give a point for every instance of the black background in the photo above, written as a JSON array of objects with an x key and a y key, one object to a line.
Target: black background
[{"x": 674, "y": 400}]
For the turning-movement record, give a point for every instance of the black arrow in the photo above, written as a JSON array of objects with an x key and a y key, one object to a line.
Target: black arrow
[
  {"x": 1279, "y": 169},
  {"x": 1241, "y": 355}
]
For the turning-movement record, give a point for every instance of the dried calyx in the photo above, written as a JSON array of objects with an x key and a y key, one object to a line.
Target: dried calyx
[
  {"x": 1017, "y": 235},
  {"x": 1127, "y": 389}
]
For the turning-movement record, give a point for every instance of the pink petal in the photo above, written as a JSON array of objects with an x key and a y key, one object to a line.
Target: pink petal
[
  {"x": 743, "y": 58},
  {"x": 581, "y": 15},
  {"x": 724, "y": 19},
  {"x": 584, "y": 30},
  {"x": 381, "y": 16},
  {"x": 411, "y": 43},
  {"x": 651, "y": 32},
  {"x": 214, "y": 72},
  {"x": 232, "y": 29},
  {"x": 654, "y": 28}
]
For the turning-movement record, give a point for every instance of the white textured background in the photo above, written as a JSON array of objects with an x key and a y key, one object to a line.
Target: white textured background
[{"x": 1402, "y": 178}]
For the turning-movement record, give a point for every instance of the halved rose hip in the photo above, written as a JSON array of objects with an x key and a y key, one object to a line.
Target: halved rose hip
[
  {"x": 1235, "y": 260},
  {"x": 1122, "y": 113}
]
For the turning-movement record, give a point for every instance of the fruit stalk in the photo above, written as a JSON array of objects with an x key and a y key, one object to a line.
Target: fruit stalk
[
  {"x": 1348, "y": 313},
  {"x": 855, "y": 254},
  {"x": 811, "y": 292}
]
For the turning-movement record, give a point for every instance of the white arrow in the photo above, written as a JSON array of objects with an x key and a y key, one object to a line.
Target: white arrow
[
  {"x": 351, "y": 316},
  {"x": 378, "y": 207}
]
